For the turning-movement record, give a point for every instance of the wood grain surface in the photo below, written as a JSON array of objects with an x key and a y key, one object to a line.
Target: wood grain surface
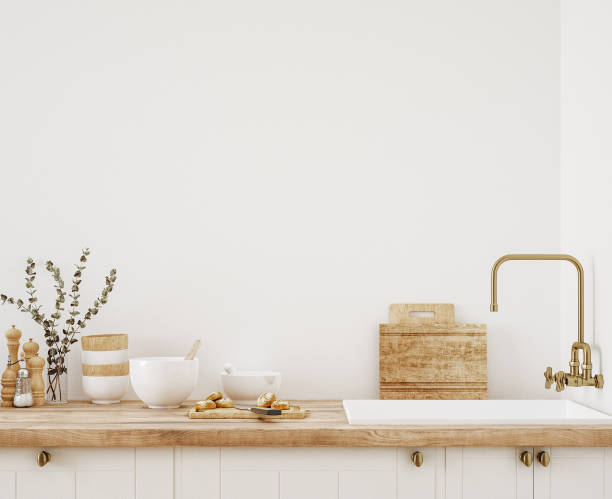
[
  {"x": 104, "y": 342},
  {"x": 431, "y": 357},
  {"x": 121, "y": 369},
  {"x": 130, "y": 424},
  {"x": 294, "y": 412}
]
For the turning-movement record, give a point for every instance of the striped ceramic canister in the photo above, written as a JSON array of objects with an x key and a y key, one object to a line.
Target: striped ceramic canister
[{"x": 106, "y": 367}]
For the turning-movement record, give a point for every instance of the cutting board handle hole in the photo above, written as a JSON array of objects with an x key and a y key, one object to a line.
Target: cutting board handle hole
[{"x": 414, "y": 313}]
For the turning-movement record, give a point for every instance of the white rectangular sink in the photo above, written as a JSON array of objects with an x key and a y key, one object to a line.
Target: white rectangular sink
[{"x": 471, "y": 412}]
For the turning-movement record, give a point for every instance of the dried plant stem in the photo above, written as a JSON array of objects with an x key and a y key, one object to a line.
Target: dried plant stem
[{"x": 60, "y": 346}]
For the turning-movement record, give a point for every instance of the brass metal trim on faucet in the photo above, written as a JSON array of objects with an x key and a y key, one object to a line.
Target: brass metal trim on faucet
[{"x": 575, "y": 377}]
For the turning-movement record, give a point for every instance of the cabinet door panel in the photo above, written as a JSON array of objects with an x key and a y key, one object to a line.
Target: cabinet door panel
[
  {"x": 154, "y": 473},
  {"x": 196, "y": 473},
  {"x": 45, "y": 484},
  {"x": 308, "y": 485},
  {"x": 572, "y": 472},
  {"x": 7, "y": 484},
  {"x": 104, "y": 485},
  {"x": 483, "y": 473},
  {"x": 249, "y": 484},
  {"x": 367, "y": 485},
  {"x": 84, "y": 473},
  {"x": 424, "y": 482}
]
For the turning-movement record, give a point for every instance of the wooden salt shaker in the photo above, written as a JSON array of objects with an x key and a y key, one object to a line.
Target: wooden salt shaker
[{"x": 35, "y": 365}]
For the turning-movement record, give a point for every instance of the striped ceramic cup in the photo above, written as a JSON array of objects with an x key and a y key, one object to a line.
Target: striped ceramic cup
[{"x": 106, "y": 367}]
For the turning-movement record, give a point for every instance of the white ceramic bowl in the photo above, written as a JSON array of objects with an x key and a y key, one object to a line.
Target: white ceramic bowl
[
  {"x": 163, "y": 382},
  {"x": 245, "y": 386},
  {"x": 105, "y": 389}
]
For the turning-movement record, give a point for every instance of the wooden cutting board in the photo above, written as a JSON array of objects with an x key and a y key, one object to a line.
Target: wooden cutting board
[
  {"x": 425, "y": 355},
  {"x": 295, "y": 412}
]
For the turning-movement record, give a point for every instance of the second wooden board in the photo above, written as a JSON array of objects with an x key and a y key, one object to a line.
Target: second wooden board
[{"x": 425, "y": 355}]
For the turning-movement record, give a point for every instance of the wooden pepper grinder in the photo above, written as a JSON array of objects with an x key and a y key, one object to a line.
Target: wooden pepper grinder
[
  {"x": 9, "y": 382},
  {"x": 35, "y": 365},
  {"x": 13, "y": 335},
  {"x": 9, "y": 377}
]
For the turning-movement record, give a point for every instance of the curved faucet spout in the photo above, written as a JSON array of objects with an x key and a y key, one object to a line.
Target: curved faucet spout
[
  {"x": 538, "y": 256},
  {"x": 575, "y": 377}
]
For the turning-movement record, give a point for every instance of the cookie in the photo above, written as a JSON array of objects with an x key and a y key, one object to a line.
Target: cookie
[
  {"x": 280, "y": 404},
  {"x": 266, "y": 399},
  {"x": 204, "y": 405}
]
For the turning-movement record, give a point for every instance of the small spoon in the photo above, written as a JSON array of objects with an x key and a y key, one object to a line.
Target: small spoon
[{"x": 194, "y": 349}]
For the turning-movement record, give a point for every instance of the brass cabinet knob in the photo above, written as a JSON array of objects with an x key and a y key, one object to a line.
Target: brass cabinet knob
[
  {"x": 43, "y": 457},
  {"x": 544, "y": 458},
  {"x": 417, "y": 459},
  {"x": 526, "y": 458}
]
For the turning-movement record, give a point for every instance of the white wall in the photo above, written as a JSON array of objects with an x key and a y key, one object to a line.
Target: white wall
[
  {"x": 586, "y": 167},
  {"x": 270, "y": 176}
]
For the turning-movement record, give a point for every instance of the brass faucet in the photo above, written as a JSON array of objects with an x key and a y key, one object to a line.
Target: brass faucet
[{"x": 575, "y": 377}]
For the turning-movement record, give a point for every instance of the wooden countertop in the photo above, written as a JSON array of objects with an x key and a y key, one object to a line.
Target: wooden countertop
[{"x": 130, "y": 424}]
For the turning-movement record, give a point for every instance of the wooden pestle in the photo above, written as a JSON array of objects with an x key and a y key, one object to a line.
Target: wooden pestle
[{"x": 193, "y": 350}]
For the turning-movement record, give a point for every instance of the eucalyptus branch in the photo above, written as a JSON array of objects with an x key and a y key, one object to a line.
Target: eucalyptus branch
[
  {"x": 60, "y": 346},
  {"x": 52, "y": 339},
  {"x": 97, "y": 304},
  {"x": 33, "y": 310}
]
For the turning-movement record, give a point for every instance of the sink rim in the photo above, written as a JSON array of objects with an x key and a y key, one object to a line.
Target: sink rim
[{"x": 558, "y": 412}]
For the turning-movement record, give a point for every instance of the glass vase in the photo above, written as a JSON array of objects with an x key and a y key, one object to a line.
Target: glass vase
[{"x": 57, "y": 388}]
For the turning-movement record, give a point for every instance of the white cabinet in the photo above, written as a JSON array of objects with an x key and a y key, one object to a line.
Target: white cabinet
[
  {"x": 424, "y": 482},
  {"x": 87, "y": 473},
  {"x": 487, "y": 472},
  {"x": 294, "y": 473},
  {"x": 307, "y": 473},
  {"x": 478, "y": 473},
  {"x": 574, "y": 472}
]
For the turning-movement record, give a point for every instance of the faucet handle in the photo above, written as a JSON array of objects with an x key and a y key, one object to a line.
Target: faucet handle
[
  {"x": 560, "y": 379},
  {"x": 599, "y": 381},
  {"x": 549, "y": 377}
]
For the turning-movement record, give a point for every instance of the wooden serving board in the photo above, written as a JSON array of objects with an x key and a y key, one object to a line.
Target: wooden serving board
[
  {"x": 425, "y": 355},
  {"x": 295, "y": 412}
]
